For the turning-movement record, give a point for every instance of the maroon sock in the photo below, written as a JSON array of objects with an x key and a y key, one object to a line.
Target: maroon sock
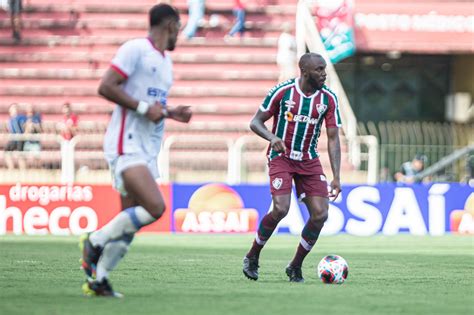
[
  {"x": 309, "y": 236},
  {"x": 300, "y": 255},
  {"x": 265, "y": 230},
  {"x": 254, "y": 250}
]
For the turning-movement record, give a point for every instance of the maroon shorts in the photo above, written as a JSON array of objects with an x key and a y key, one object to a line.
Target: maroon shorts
[{"x": 308, "y": 176}]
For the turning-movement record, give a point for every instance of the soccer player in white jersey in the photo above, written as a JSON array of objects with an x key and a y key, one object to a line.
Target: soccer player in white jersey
[{"x": 138, "y": 82}]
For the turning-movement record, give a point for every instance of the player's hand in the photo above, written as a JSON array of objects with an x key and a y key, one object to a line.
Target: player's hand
[
  {"x": 278, "y": 145},
  {"x": 335, "y": 187},
  {"x": 155, "y": 112},
  {"x": 180, "y": 113}
]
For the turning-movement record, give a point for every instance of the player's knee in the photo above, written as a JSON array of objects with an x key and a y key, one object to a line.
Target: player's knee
[
  {"x": 280, "y": 210},
  {"x": 156, "y": 209},
  {"x": 279, "y": 214},
  {"x": 319, "y": 217}
]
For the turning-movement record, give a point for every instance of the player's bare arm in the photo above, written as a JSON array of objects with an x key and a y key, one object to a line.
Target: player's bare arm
[
  {"x": 334, "y": 150},
  {"x": 257, "y": 125},
  {"x": 181, "y": 113},
  {"x": 110, "y": 88}
]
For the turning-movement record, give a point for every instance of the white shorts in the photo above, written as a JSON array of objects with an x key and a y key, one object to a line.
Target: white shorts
[{"x": 122, "y": 162}]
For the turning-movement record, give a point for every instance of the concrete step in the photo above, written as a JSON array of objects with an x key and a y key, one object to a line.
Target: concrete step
[
  {"x": 97, "y": 22},
  {"x": 181, "y": 74},
  {"x": 31, "y": 34},
  {"x": 90, "y": 90},
  {"x": 182, "y": 47},
  {"x": 208, "y": 58},
  {"x": 118, "y": 39},
  {"x": 99, "y": 108},
  {"x": 222, "y": 105},
  {"x": 92, "y": 6}
]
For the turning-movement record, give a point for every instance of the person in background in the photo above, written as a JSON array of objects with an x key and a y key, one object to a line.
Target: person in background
[
  {"x": 69, "y": 124},
  {"x": 239, "y": 13},
  {"x": 32, "y": 126},
  {"x": 15, "y": 126},
  {"x": 409, "y": 169},
  {"x": 286, "y": 55},
  {"x": 196, "y": 9},
  {"x": 470, "y": 170},
  {"x": 15, "y": 18}
]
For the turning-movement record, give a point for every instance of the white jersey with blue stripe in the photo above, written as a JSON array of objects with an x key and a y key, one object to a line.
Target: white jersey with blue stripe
[{"x": 149, "y": 76}]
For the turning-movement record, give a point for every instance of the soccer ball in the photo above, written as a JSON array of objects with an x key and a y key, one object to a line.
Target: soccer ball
[{"x": 333, "y": 269}]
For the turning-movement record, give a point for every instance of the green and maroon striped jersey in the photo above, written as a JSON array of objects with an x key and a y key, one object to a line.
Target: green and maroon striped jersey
[{"x": 297, "y": 118}]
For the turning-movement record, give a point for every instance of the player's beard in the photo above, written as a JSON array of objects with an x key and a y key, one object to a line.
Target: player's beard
[
  {"x": 316, "y": 82},
  {"x": 172, "y": 44}
]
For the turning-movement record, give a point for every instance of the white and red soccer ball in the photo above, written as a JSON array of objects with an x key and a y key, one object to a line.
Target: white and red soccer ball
[{"x": 333, "y": 269}]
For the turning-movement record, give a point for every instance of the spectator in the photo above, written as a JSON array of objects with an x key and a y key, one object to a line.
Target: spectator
[
  {"x": 196, "y": 10},
  {"x": 15, "y": 18},
  {"x": 69, "y": 124},
  {"x": 239, "y": 13},
  {"x": 68, "y": 129},
  {"x": 286, "y": 55},
  {"x": 32, "y": 126},
  {"x": 411, "y": 168},
  {"x": 15, "y": 126},
  {"x": 470, "y": 170}
]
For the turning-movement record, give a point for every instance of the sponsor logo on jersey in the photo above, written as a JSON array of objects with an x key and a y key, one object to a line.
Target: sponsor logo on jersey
[
  {"x": 158, "y": 94},
  {"x": 301, "y": 118},
  {"x": 296, "y": 155}
]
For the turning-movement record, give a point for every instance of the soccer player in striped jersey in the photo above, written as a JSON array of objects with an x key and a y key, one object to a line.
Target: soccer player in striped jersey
[
  {"x": 298, "y": 107},
  {"x": 137, "y": 81}
]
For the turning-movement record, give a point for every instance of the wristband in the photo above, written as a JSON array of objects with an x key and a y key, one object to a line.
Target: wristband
[
  {"x": 142, "y": 108},
  {"x": 165, "y": 112}
]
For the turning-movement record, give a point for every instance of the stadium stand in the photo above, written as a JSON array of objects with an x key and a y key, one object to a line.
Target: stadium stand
[{"x": 67, "y": 45}]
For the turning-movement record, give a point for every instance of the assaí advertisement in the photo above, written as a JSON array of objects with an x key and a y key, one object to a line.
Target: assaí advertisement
[
  {"x": 360, "y": 210},
  {"x": 215, "y": 208}
]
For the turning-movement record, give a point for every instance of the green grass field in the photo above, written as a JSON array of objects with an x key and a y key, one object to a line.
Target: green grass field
[{"x": 183, "y": 274}]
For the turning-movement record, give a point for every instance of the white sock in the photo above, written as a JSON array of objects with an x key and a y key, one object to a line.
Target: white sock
[
  {"x": 128, "y": 221},
  {"x": 112, "y": 254}
]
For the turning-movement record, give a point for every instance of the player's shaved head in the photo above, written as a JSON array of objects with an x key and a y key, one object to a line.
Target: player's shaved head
[
  {"x": 313, "y": 71},
  {"x": 309, "y": 59}
]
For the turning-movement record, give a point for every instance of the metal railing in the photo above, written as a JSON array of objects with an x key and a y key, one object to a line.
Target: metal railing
[
  {"x": 447, "y": 161},
  {"x": 164, "y": 156},
  {"x": 399, "y": 142},
  {"x": 235, "y": 149},
  {"x": 307, "y": 36},
  {"x": 65, "y": 155}
]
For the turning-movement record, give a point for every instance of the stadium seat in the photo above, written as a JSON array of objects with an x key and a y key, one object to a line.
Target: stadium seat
[{"x": 67, "y": 46}]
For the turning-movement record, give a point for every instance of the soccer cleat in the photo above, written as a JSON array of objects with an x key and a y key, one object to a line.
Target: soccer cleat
[
  {"x": 294, "y": 273},
  {"x": 96, "y": 288},
  {"x": 251, "y": 268},
  {"x": 90, "y": 255}
]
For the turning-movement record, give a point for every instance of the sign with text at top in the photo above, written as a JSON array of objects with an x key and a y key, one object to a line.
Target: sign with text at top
[
  {"x": 361, "y": 210},
  {"x": 64, "y": 209}
]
